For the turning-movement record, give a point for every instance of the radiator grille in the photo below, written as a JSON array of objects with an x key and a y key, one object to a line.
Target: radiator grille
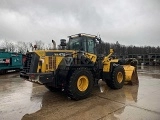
[{"x": 52, "y": 63}]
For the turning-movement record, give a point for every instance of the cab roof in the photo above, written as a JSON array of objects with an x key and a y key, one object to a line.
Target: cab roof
[{"x": 82, "y": 34}]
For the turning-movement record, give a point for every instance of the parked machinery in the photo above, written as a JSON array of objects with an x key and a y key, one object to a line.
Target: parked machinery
[
  {"x": 10, "y": 61},
  {"x": 77, "y": 67}
]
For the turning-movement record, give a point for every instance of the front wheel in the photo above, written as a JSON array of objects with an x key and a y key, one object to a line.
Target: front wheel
[
  {"x": 80, "y": 84},
  {"x": 118, "y": 78}
]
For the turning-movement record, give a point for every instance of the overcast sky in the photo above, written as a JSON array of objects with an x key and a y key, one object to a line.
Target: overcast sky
[{"x": 130, "y": 22}]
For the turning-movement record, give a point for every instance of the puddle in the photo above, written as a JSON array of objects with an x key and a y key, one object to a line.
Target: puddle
[
  {"x": 21, "y": 99},
  {"x": 18, "y": 97}
]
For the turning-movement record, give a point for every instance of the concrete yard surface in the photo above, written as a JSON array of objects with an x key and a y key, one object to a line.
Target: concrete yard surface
[{"x": 24, "y": 100}]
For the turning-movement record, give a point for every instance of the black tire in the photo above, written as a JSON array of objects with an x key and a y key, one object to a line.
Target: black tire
[
  {"x": 52, "y": 89},
  {"x": 2, "y": 72},
  {"x": 80, "y": 84},
  {"x": 118, "y": 78},
  {"x": 18, "y": 70}
]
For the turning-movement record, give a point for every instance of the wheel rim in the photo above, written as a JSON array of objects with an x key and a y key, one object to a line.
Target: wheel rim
[
  {"x": 82, "y": 83},
  {"x": 119, "y": 77}
]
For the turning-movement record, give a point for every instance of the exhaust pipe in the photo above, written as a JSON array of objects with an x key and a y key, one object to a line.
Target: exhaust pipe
[{"x": 54, "y": 44}]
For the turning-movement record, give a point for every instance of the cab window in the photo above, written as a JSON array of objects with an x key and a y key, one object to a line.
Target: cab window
[{"x": 91, "y": 45}]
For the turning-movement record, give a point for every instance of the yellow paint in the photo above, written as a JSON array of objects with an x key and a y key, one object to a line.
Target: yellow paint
[
  {"x": 92, "y": 57},
  {"x": 82, "y": 83},
  {"x": 50, "y": 63},
  {"x": 58, "y": 59},
  {"x": 107, "y": 60},
  {"x": 40, "y": 52},
  {"x": 106, "y": 65},
  {"x": 128, "y": 72},
  {"x": 120, "y": 77}
]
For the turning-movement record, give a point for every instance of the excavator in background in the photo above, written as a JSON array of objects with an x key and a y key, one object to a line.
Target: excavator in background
[{"x": 77, "y": 67}]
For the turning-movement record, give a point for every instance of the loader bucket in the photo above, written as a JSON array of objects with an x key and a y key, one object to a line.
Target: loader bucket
[
  {"x": 131, "y": 76},
  {"x": 134, "y": 78}
]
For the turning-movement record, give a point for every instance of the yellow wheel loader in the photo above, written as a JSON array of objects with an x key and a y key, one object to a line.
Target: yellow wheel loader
[{"x": 77, "y": 67}]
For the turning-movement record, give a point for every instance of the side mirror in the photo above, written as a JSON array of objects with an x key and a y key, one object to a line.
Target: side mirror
[
  {"x": 54, "y": 44},
  {"x": 99, "y": 40}
]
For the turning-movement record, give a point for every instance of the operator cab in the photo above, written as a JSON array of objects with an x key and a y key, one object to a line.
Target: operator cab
[{"x": 83, "y": 42}]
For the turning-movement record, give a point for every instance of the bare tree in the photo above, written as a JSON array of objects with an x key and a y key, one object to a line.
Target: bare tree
[
  {"x": 49, "y": 46},
  {"x": 22, "y": 47},
  {"x": 39, "y": 44},
  {"x": 9, "y": 46}
]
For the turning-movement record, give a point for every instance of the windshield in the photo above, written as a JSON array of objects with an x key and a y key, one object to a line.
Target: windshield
[
  {"x": 82, "y": 43},
  {"x": 75, "y": 43}
]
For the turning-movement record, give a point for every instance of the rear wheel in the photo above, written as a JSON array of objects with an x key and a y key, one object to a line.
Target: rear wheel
[
  {"x": 118, "y": 78},
  {"x": 80, "y": 84}
]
